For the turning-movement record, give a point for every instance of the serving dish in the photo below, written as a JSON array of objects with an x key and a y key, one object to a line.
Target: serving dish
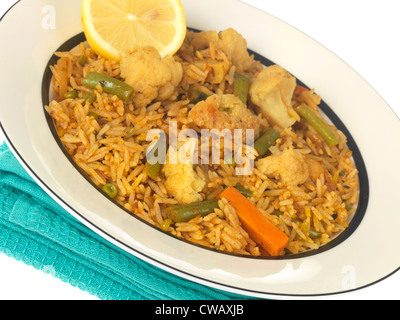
[{"x": 345, "y": 266}]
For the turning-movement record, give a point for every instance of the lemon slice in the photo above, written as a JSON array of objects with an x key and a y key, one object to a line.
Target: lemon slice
[{"x": 115, "y": 27}]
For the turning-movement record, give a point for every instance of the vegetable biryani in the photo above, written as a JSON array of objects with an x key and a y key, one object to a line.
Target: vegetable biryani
[{"x": 301, "y": 191}]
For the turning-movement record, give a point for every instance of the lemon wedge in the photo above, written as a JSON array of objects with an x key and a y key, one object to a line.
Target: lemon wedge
[{"x": 115, "y": 27}]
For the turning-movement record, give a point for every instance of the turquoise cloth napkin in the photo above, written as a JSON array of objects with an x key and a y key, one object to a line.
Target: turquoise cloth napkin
[{"x": 34, "y": 229}]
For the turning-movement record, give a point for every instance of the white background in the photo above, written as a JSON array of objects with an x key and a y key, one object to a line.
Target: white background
[{"x": 364, "y": 33}]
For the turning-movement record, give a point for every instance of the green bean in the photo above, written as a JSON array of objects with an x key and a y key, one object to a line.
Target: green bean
[
  {"x": 74, "y": 94},
  {"x": 110, "y": 85},
  {"x": 110, "y": 190},
  {"x": 266, "y": 141},
  {"x": 314, "y": 234},
  {"x": 187, "y": 212},
  {"x": 166, "y": 224},
  {"x": 90, "y": 97},
  {"x": 195, "y": 96},
  {"x": 153, "y": 166},
  {"x": 244, "y": 191},
  {"x": 241, "y": 86},
  {"x": 318, "y": 124}
]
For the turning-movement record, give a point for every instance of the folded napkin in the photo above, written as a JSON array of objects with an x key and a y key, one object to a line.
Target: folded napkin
[{"x": 34, "y": 229}]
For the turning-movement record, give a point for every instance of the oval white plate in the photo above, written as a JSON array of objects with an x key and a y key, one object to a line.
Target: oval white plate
[{"x": 369, "y": 254}]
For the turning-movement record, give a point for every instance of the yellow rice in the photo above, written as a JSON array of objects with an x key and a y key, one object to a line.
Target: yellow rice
[{"x": 112, "y": 150}]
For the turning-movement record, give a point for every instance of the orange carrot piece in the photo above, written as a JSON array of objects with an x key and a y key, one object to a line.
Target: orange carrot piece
[{"x": 260, "y": 229}]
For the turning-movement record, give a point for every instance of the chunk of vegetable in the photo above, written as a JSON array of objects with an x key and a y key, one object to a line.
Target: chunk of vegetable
[
  {"x": 73, "y": 94},
  {"x": 272, "y": 92},
  {"x": 318, "y": 124},
  {"x": 153, "y": 165},
  {"x": 190, "y": 211},
  {"x": 314, "y": 234},
  {"x": 247, "y": 193},
  {"x": 110, "y": 190},
  {"x": 195, "y": 96},
  {"x": 266, "y": 141},
  {"x": 262, "y": 231},
  {"x": 166, "y": 224},
  {"x": 110, "y": 85},
  {"x": 218, "y": 71},
  {"x": 241, "y": 86},
  {"x": 90, "y": 97},
  {"x": 82, "y": 60},
  {"x": 153, "y": 170}
]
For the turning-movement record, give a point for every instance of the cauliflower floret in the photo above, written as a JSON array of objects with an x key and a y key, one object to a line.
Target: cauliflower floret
[
  {"x": 225, "y": 111},
  {"x": 230, "y": 42},
  {"x": 183, "y": 183},
  {"x": 151, "y": 76},
  {"x": 272, "y": 91},
  {"x": 290, "y": 167},
  {"x": 202, "y": 40},
  {"x": 235, "y": 47}
]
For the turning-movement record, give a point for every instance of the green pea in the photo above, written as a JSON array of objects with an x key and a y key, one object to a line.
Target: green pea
[
  {"x": 90, "y": 97},
  {"x": 82, "y": 60},
  {"x": 110, "y": 190},
  {"x": 153, "y": 170},
  {"x": 71, "y": 94},
  {"x": 314, "y": 234}
]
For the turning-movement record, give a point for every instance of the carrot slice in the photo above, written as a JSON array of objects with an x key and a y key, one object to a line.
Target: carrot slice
[{"x": 260, "y": 229}]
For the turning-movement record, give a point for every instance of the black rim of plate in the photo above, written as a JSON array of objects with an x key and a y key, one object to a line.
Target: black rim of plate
[{"x": 362, "y": 171}]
